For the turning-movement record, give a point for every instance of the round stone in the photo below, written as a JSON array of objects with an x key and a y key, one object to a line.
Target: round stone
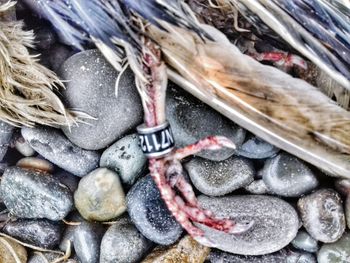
[
  {"x": 256, "y": 148},
  {"x": 338, "y": 252},
  {"x": 192, "y": 120},
  {"x": 220, "y": 178},
  {"x": 100, "y": 196},
  {"x": 55, "y": 147},
  {"x": 149, "y": 213},
  {"x": 322, "y": 215},
  {"x": 123, "y": 243},
  {"x": 91, "y": 89},
  {"x": 286, "y": 175},
  {"x": 275, "y": 223},
  {"x": 305, "y": 242},
  {"x": 23, "y": 147},
  {"x": 257, "y": 187},
  {"x": 126, "y": 158},
  {"x": 33, "y": 194}
]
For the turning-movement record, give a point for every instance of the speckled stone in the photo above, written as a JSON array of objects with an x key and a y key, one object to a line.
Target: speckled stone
[
  {"x": 192, "y": 120},
  {"x": 286, "y": 175},
  {"x": 220, "y": 178},
  {"x": 282, "y": 256},
  {"x": 322, "y": 215},
  {"x": 55, "y": 147},
  {"x": 256, "y": 148},
  {"x": 305, "y": 242},
  {"x": 7, "y": 250},
  {"x": 91, "y": 89},
  {"x": 338, "y": 252},
  {"x": 42, "y": 257},
  {"x": 32, "y": 194},
  {"x": 275, "y": 223},
  {"x": 126, "y": 158},
  {"x": 100, "y": 196},
  {"x": 6, "y": 131},
  {"x": 149, "y": 213},
  {"x": 41, "y": 233},
  {"x": 123, "y": 243},
  {"x": 85, "y": 239},
  {"x": 186, "y": 250},
  {"x": 257, "y": 187}
]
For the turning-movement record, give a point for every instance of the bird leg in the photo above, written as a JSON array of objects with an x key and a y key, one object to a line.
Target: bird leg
[{"x": 167, "y": 171}]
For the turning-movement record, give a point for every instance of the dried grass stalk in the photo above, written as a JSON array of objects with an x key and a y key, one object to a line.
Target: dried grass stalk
[{"x": 26, "y": 87}]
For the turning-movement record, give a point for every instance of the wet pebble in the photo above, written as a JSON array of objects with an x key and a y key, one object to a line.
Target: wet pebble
[
  {"x": 186, "y": 250},
  {"x": 100, "y": 196},
  {"x": 338, "y": 252},
  {"x": 123, "y": 243},
  {"x": 149, "y": 213},
  {"x": 91, "y": 89},
  {"x": 12, "y": 252},
  {"x": 305, "y": 242},
  {"x": 322, "y": 215},
  {"x": 286, "y": 175},
  {"x": 33, "y": 194},
  {"x": 85, "y": 238},
  {"x": 220, "y": 178},
  {"x": 55, "y": 147},
  {"x": 256, "y": 148},
  {"x": 126, "y": 158},
  {"x": 257, "y": 187},
  {"x": 275, "y": 223},
  {"x": 192, "y": 120},
  {"x": 41, "y": 233}
]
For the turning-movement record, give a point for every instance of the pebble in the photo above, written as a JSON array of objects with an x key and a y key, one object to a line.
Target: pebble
[
  {"x": 186, "y": 250},
  {"x": 12, "y": 252},
  {"x": 126, "y": 158},
  {"x": 347, "y": 210},
  {"x": 45, "y": 37},
  {"x": 220, "y": 178},
  {"x": 41, "y": 233},
  {"x": 41, "y": 257},
  {"x": 23, "y": 147},
  {"x": 256, "y": 148},
  {"x": 286, "y": 175},
  {"x": 338, "y": 252},
  {"x": 56, "y": 55},
  {"x": 6, "y": 132},
  {"x": 257, "y": 187},
  {"x": 322, "y": 215},
  {"x": 91, "y": 89},
  {"x": 100, "y": 196},
  {"x": 275, "y": 223},
  {"x": 192, "y": 120},
  {"x": 282, "y": 256},
  {"x": 33, "y": 194},
  {"x": 68, "y": 179},
  {"x": 305, "y": 242},
  {"x": 123, "y": 243},
  {"x": 55, "y": 147},
  {"x": 85, "y": 239},
  {"x": 342, "y": 186},
  {"x": 34, "y": 163},
  {"x": 149, "y": 213}
]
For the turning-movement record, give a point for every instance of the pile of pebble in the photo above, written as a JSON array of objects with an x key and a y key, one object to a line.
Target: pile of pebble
[{"x": 84, "y": 190}]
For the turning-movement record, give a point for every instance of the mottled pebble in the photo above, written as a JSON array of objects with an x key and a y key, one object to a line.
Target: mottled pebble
[
  {"x": 23, "y": 147},
  {"x": 41, "y": 257},
  {"x": 322, "y": 215},
  {"x": 100, "y": 196},
  {"x": 186, "y": 250},
  {"x": 123, "y": 243},
  {"x": 34, "y": 163},
  {"x": 256, "y": 148},
  {"x": 149, "y": 213},
  {"x": 33, "y": 194},
  {"x": 41, "y": 233},
  {"x": 257, "y": 187},
  {"x": 342, "y": 186},
  {"x": 126, "y": 158},
  {"x": 305, "y": 242},
  {"x": 275, "y": 223},
  {"x": 286, "y": 175},
  {"x": 12, "y": 252},
  {"x": 338, "y": 252},
  {"x": 56, "y": 148},
  {"x": 192, "y": 120},
  {"x": 91, "y": 89},
  {"x": 220, "y": 178}
]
